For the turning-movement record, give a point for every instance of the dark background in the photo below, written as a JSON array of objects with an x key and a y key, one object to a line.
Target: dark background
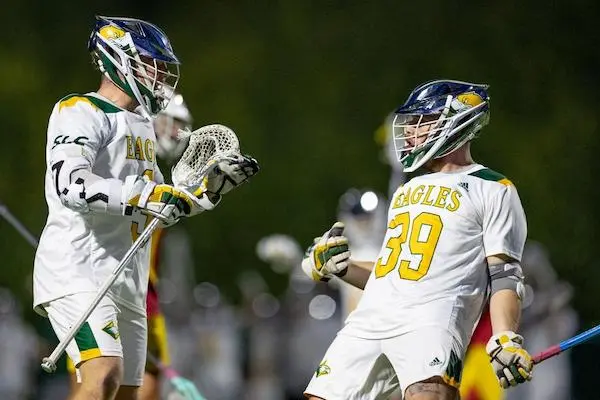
[{"x": 305, "y": 84}]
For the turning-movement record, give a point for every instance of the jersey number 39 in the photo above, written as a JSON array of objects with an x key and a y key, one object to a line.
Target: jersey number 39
[{"x": 421, "y": 235}]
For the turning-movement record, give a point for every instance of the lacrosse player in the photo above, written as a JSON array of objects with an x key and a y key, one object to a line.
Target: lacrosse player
[
  {"x": 175, "y": 117},
  {"x": 452, "y": 234},
  {"x": 102, "y": 185}
]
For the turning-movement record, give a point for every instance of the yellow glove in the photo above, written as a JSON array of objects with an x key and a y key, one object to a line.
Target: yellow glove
[
  {"x": 328, "y": 255},
  {"x": 511, "y": 363},
  {"x": 162, "y": 201}
]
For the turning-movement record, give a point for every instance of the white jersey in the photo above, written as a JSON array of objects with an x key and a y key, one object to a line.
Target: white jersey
[
  {"x": 78, "y": 251},
  {"x": 432, "y": 269}
]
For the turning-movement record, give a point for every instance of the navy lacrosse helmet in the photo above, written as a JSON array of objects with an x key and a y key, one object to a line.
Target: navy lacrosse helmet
[
  {"x": 437, "y": 118},
  {"x": 137, "y": 57}
]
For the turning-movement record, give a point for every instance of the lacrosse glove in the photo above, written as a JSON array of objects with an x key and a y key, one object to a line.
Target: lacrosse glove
[
  {"x": 228, "y": 174},
  {"x": 161, "y": 201},
  {"x": 511, "y": 363},
  {"x": 328, "y": 255}
]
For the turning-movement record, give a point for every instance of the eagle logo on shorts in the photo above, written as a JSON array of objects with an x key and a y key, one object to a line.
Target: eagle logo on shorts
[
  {"x": 322, "y": 369},
  {"x": 112, "y": 330}
]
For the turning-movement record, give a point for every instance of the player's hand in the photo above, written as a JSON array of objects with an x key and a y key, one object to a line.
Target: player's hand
[
  {"x": 230, "y": 173},
  {"x": 511, "y": 363},
  {"x": 162, "y": 201},
  {"x": 186, "y": 389},
  {"x": 328, "y": 255}
]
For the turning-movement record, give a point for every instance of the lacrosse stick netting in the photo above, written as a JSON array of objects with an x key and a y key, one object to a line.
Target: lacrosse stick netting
[{"x": 206, "y": 147}]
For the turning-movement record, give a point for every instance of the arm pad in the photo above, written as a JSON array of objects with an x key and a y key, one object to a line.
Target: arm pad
[
  {"x": 79, "y": 189},
  {"x": 88, "y": 192},
  {"x": 507, "y": 276}
]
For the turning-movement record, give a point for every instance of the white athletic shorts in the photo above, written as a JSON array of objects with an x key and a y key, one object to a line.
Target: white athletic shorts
[
  {"x": 109, "y": 331},
  {"x": 368, "y": 369}
]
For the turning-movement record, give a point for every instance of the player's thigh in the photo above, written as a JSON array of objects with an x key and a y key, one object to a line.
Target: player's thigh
[
  {"x": 431, "y": 389},
  {"x": 431, "y": 355},
  {"x": 93, "y": 339},
  {"x": 352, "y": 369},
  {"x": 133, "y": 333}
]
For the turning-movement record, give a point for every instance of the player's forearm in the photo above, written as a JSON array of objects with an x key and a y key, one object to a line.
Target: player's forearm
[
  {"x": 358, "y": 273},
  {"x": 84, "y": 192},
  {"x": 505, "y": 311}
]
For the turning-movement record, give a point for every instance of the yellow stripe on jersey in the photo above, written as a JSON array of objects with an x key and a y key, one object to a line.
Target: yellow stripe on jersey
[
  {"x": 89, "y": 354},
  {"x": 505, "y": 182},
  {"x": 70, "y": 366},
  {"x": 71, "y": 101},
  {"x": 451, "y": 381},
  {"x": 96, "y": 103}
]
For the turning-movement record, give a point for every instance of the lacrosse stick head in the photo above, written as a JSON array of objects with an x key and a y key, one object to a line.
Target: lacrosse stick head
[{"x": 206, "y": 146}]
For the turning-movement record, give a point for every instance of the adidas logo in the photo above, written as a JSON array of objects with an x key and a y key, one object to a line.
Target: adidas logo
[
  {"x": 434, "y": 362},
  {"x": 464, "y": 185}
]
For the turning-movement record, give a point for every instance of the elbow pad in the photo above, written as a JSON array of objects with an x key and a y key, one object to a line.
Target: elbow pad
[
  {"x": 507, "y": 276},
  {"x": 79, "y": 189},
  {"x": 89, "y": 192}
]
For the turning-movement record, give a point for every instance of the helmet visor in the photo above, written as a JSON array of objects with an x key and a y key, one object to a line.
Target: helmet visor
[
  {"x": 158, "y": 77},
  {"x": 415, "y": 133}
]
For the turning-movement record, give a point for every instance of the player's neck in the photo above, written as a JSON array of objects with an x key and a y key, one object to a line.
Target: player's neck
[
  {"x": 113, "y": 93},
  {"x": 453, "y": 162}
]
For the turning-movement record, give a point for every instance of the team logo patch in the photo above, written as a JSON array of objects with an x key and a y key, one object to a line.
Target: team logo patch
[
  {"x": 322, "y": 369},
  {"x": 111, "y": 32},
  {"x": 111, "y": 329},
  {"x": 471, "y": 99}
]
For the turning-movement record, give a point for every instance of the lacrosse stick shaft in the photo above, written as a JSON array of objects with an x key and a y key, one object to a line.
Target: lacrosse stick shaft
[
  {"x": 566, "y": 344},
  {"x": 165, "y": 369},
  {"x": 34, "y": 243},
  {"x": 49, "y": 363},
  {"x": 18, "y": 225}
]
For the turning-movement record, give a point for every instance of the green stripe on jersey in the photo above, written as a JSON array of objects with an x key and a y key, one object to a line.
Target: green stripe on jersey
[
  {"x": 488, "y": 175},
  {"x": 107, "y": 107},
  {"x": 85, "y": 338}
]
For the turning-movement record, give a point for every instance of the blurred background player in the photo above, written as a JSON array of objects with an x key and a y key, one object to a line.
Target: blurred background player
[
  {"x": 363, "y": 212},
  {"x": 309, "y": 314},
  {"x": 169, "y": 148}
]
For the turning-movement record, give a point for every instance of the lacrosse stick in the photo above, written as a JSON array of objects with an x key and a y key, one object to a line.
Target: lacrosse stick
[
  {"x": 206, "y": 147},
  {"x": 566, "y": 344},
  {"x": 18, "y": 225},
  {"x": 29, "y": 237}
]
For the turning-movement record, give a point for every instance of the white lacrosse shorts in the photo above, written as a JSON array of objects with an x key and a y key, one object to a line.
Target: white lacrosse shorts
[
  {"x": 109, "y": 331},
  {"x": 371, "y": 369}
]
